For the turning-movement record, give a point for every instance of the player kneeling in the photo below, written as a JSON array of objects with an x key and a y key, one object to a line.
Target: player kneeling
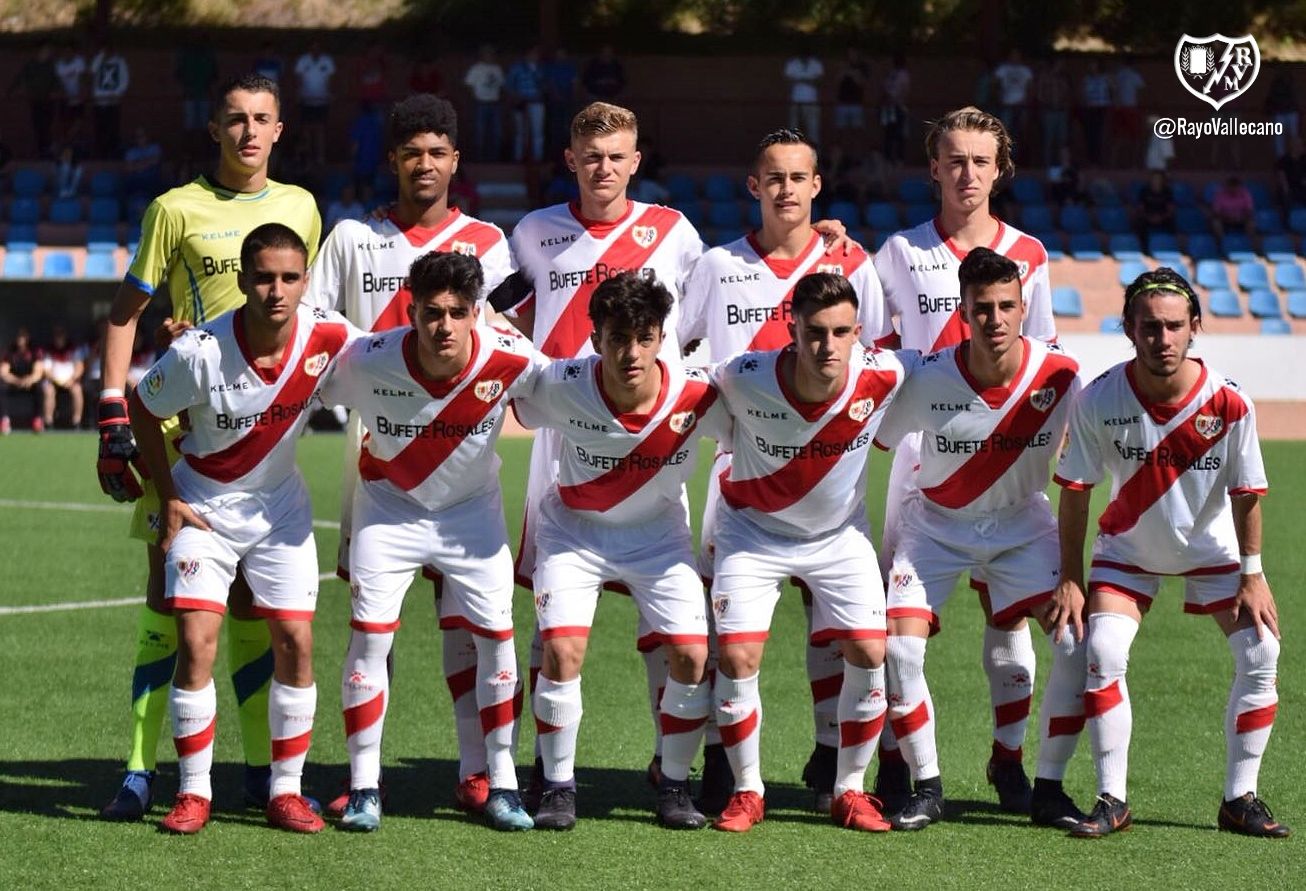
[
  {"x": 245, "y": 381},
  {"x": 793, "y": 503},
  {"x": 432, "y": 397},
  {"x": 628, "y": 423}
]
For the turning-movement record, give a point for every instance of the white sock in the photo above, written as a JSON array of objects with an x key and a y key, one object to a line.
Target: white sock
[
  {"x": 1009, "y": 664},
  {"x": 684, "y": 714},
  {"x": 655, "y": 672},
  {"x": 557, "y": 724},
  {"x": 458, "y": 658},
  {"x": 496, "y": 688},
  {"x": 861, "y": 717},
  {"x": 1253, "y": 701},
  {"x": 364, "y": 698},
  {"x": 911, "y": 710},
  {"x": 194, "y": 717},
  {"x": 739, "y": 717},
  {"x": 1061, "y": 714},
  {"x": 1108, "y": 714},
  {"x": 290, "y": 721}
]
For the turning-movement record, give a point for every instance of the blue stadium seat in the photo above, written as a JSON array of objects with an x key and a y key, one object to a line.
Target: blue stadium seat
[
  {"x": 1213, "y": 274},
  {"x": 877, "y": 240},
  {"x": 1252, "y": 276},
  {"x": 1037, "y": 218},
  {"x": 136, "y": 204},
  {"x": 882, "y": 216},
  {"x": 332, "y": 185},
  {"x": 1085, "y": 246},
  {"x": 1289, "y": 276},
  {"x": 1191, "y": 221},
  {"x": 1162, "y": 243},
  {"x": 753, "y": 214},
  {"x": 1264, "y": 304},
  {"x": 1130, "y": 270},
  {"x": 1238, "y": 248},
  {"x": 25, "y": 211},
  {"x": 720, "y": 187},
  {"x": 1297, "y": 304},
  {"x": 915, "y": 214},
  {"x": 1067, "y": 302},
  {"x": 682, "y": 188},
  {"x": 1052, "y": 240},
  {"x": 19, "y": 264},
  {"x": 1027, "y": 190},
  {"x": 1103, "y": 193},
  {"x": 106, "y": 184},
  {"x": 845, "y": 212},
  {"x": 1111, "y": 325},
  {"x": 22, "y": 237},
  {"x": 100, "y": 264},
  {"x": 1268, "y": 221},
  {"x": 1124, "y": 247},
  {"x": 102, "y": 234},
  {"x": 66, "y": 210},
  {"x": 1297, "y": 220},
  {"x": 725, "y": 215},
  {"x": 1113, "y": 220},
  {"x": 1184, "y": 196},
  {"x": 1224, "y": 304},
  {"x": 104, "y": 211},
  {"x": 57, "y": 264},
  {"x": 1276, "y": 326},
  {"x": 692, "y": 210},
  {"x": 29, "y": 183},
  {"x": 1076, "y": 220},
  {"x": 1261, "y": 196},
  {"x": 915, "y": 191},
  {"x": 1279, "y": 248},
  {"x": 1204, "y": 247}
]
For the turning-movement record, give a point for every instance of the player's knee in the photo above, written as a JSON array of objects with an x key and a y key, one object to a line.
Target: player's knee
[
  {"x": 1255, "y": 657},
  {"x": 1110, "y": 636},
  {"x": 864, "y": 653},
  {"x": 905, "y": 657},
  {"x": 563, "y": 657},
  {"x": 292, "y": 652},
  {"x": 740, "y": 660},
  {"x": 687, "y": 663}
]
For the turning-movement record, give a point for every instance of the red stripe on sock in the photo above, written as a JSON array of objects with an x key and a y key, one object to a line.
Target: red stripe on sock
[
  {"x": 911, "y": 722},
  {"x": 291, "y": 747},
  {"x": 1099, "y": 702},
  {"x": 826, "y": 688},
  {"x": 360, "y": 717},
  {"x": 1256, "y": 719},
  {"x": 1068, "y": 725},
  {"x": 734, "y": 734},
  {"x": 857, "y": 733},
  {"x": 1011, "y": 712},
  {"x": 495, "y": 716},
  {"x": 543, "y": 727},
  {"x": 1002, "y": 753},
  {"x": 196, "y": 742},
  {"x": 461, "y": 682},
  {"x": 671, "y": 724}
]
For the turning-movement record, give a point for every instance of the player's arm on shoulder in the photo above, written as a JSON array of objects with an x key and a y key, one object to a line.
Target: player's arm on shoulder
[
  {"x": 326, "y": 274},
  {"x": 902, "y": 416},
  {"x": 546, "y": 404}
]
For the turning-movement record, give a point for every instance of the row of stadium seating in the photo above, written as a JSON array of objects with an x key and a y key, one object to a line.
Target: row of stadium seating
[{"x": 70, "y": 211}]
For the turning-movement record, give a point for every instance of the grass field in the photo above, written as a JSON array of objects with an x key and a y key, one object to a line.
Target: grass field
[{"x": 66, "y": 719}]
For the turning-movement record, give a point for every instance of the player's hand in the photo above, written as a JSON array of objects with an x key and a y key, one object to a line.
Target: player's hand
[
  {"x": 168, "y": 331},
  {"x": 1254, "y": 599},
  {"x": 1066, "y": 608},
  {"x": 174, "y": 515},
  {"x": 835, "y": 235},
  {"x": 117, "y": 451},
  {"x": 380, "y": 212}
]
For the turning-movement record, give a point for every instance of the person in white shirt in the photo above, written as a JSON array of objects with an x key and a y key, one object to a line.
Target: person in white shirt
[
  {"x": 314, "y": 70},
  {"x": 110, "y": 78},
  {"x": 485, "y": 79},
  {"x": 1013, "y": 77},
  {"x": 804, "y": 74}
]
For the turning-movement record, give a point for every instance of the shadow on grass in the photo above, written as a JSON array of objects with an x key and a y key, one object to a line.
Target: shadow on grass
[{"x": 986, "y": 813}]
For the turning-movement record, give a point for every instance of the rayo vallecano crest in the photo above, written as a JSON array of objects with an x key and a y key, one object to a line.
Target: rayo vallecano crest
[{"x": 1217, "y": 69}]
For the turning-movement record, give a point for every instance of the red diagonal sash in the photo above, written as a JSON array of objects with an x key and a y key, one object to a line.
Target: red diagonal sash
[
  {"x": 480, "y": 236},
  {"x": 573, "y": 326},
  {"x": 774, "y": 332}
]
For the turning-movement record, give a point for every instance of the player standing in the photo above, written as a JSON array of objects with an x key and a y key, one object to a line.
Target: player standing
[
  {"x": 432, "y": 399},
  {"x": 362, "y": 270},
  {"x": 970, "y": 155},
  {"x": 738, "y": 298},
  {"x": 245, "y": 382},
  {"x": 993, "y": 412},
  {"x": 793, "y": 503},
  {"x": 628, "y": 424},
  {"x": 190, "y": 240},
  {"x": 1179, "y": 441}
]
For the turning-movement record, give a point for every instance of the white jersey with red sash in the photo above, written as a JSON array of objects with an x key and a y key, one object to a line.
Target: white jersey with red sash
[
  {"x": 242, "y": 421},
  {"x": 432, "y": 443},
  {"x": 918, "y": 272},
  {"x": 1172, "y": 467},
  {"x": 617, "y": 468},
  {"x": 739, "y": 299},
  {"x": 362, "y": 268},
  {"x": 984, "y": 449},
  {"x": 799, "y": 469}
]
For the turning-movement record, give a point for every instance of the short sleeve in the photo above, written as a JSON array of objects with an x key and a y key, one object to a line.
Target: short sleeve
[
  {"x": 877, "y": 326},
  {"x": 1247, "y": 476},
  {"x": 902, "y": 417},
  {"x": 1080, "y": 465},
  {"x": 179, "y": 380},
  {"x": 693, "y": 302},
  {"x": 326, "y": 277},
  {"x": 691, "y": 249},
  {"x": 543, "y": 407},
  {"x": 497, "y": 264},
  {"x": 1039, "y": 323},
  {"x": 160, "y": 239}
]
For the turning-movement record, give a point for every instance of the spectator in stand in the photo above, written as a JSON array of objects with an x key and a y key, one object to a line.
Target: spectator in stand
[
  {"x": 93, "y": 376},
  {"x": 604, "y": 76},
  {"x": 1290, "y": 172},
  {"x": 1126, "y": 117},
  {"x": 525, "y": 83},
  {"x": 344, "y": 206},
  {"x": 314, "y": 70},
  {"x": 560, "y": 79},
  {"x": 463, "y": 193},
  {"x": 1160, "y": 152},
  {"x": 65, "y": 363},
  {"x": 68, "y": 173},
  {"x": 804, "y": 73},
  {"x": 648, "y": 186},
  {"x": 426, "y": 78},
  {"x": 1282, "y": 107},
  {"x": 485, "y": 80},
  {"x": 1064, "y": 186},
  {"x": 21, "y": 371},
  {"x": 1054, "y": 93},
  {"x": 893, "y": 110},
  {"x": 269, "y": 63},
  {"x": 372, "y": 71},
  {"x": 144, "y": 166},
  {"x": 71, "y": 70},
  {"x": 1233, "y": 209},
  {"x": 1095, "y": 93},
  {"x": 196, "y": 70},
  {"x": 1013, "y": 78},
  {"x": 366, "y": 144},
  {"x": 40, "y": 81},
  {"x": 110, "y": 78},
  {"x": 850, "y": 93},
  {"x": 1156, "y": 209}
]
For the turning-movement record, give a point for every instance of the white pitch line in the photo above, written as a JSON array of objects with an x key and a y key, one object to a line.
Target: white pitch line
[
  {"x": 72, "y": 605},
  {"x": 109, "y": 508}
]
